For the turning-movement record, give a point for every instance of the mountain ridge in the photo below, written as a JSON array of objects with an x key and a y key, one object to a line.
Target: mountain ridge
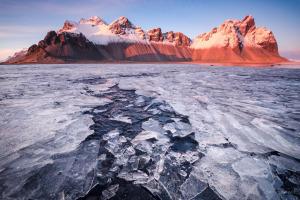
[{"x": 93, "y": 39}]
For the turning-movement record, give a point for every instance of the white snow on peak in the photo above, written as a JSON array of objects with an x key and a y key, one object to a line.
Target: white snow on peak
[
  {"x": 224, "y": 36},
  {"x": 122, "y": 21},
  {"x": 94, "y": 20},
  {"x": 99, "y": 32},
  {"x": 121, "y": 30},
  {"x": 17, "y": 54},
  {"x": 234, "y": 33}
]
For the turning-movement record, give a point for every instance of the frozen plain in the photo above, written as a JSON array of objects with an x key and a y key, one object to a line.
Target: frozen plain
[{"x": 149, "y": 131}]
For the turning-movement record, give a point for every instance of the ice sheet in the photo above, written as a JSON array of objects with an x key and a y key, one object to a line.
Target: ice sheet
[{"x": 232, "y": 132}]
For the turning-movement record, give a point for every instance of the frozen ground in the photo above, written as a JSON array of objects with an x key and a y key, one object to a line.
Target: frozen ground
[{"x": 149, "y": 132}]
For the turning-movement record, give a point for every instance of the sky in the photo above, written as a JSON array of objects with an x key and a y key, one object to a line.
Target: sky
[{"x": 25, "y": 22}]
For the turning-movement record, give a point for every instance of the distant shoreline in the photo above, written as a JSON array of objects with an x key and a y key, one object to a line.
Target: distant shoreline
[{"x": 240, "y": 64}]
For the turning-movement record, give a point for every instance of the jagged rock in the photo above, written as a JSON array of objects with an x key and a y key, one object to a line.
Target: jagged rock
[
  {"x": 68, "y": 25},
  {"x": 61, "y": 46},
  {"x": 247, "y": 25},
  {"x": 95, "y": 20},
  {"x": 263, "y": 38},
  {"x": 120, "y": 25},
  {"x": 237, "y": 41},
  {"x": 178, "y": 38},
  {"x": 141, "y": 33},
  {"x": 237, "y": 34},
  {"x": 32, "y": 49},
  {"x": 155, "y": 35},
  {"x": 92, "y": 39}
]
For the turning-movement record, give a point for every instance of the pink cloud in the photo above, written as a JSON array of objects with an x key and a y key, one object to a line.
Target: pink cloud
[{"x": 5, "y": 53}]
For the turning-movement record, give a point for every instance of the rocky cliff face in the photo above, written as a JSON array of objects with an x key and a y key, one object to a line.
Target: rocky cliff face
[
  {"x": 122, "y": 30},
  {"x": 155, "y": 35},
  {"x": 236, "y": 40},
  {"x": 178, "y": 38},
  {"x": 147, "y": 52},
  {"x": 121, "y": 25},
  {"x": 59, "y": 48},
  {"x": 174, "y": 38},
  {"x": 94, "y": 39}
]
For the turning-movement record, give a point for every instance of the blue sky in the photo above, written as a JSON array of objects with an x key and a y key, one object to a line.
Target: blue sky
[{"x": 24, "y": 22}]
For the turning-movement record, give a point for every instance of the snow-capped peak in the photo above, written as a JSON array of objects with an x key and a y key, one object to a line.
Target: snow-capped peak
[
  {"x": 99, "y": 32},
  {"x": 124, "y": 21},
  {"x": 94, "y": 20},
  {"x": 236, "y": 34},
  {"x": 69, "y": 26},
  {"x": 121, "y": 30},
  {"x": 121, "y": 26}
]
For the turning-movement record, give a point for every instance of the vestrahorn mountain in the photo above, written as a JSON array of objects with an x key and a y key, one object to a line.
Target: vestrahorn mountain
[{"x": 93, "y": 40}]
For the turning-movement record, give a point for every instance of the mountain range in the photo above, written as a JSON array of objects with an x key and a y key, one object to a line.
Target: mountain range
[{"x": 94, "y": 40}]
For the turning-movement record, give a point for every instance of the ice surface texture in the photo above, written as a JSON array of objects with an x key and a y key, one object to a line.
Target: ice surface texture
[{"x": 149, "y": 132}]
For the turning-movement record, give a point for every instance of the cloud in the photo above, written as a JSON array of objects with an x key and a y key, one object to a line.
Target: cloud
[
  {"x": 66, "y": 7},
  {"x": 9, "y": 31},
  {"x": 5, "y": 53},
  {"x": 291, "y": 54}
]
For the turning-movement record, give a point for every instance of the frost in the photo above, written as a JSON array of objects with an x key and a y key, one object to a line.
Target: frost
[
  {"x": 285, "y": 163},
  {"x": 192, "y": 187},
  {"x": 182, "y": 173},
  {"x": 152, "y": 125},
  {"x": 111, "y": 135},
  {"x": 146, "y": 135},
  {"x": 144, "y": 146},
  {"x": 185, "y": 132},
  {"x": 221, "y": 155},
  {"x": 110, "y": 192},
  {"x": 138, "y": 176},
  {"x": 122, "y": 119},
  {"x": 254, "y": 169},
  {"x": 251, "y": 167},
  {"x": 179, "y": 129}
]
